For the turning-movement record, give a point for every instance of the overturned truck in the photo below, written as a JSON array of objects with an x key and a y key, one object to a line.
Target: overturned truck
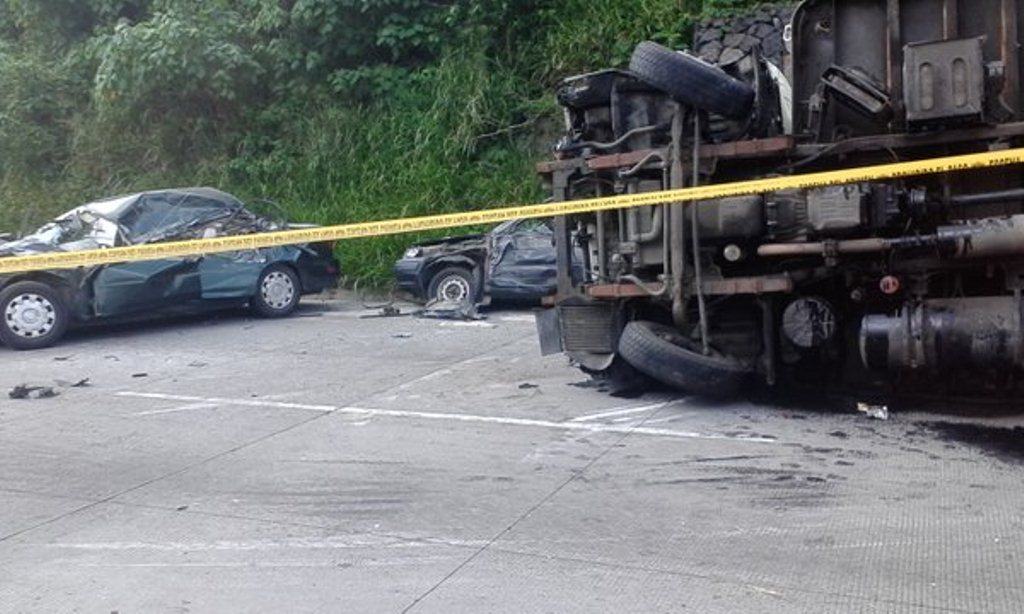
[{"x": 908, "y": 284}]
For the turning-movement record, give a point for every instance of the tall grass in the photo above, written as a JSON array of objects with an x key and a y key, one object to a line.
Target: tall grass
[{"x": 425, "y": 150}]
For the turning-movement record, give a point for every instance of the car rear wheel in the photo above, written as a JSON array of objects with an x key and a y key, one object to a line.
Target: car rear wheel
[
  {"x": 662, "y": 352},
  {"x": 277, "y": 292},
  {"x": 691, "y": 81},
  {"x": 452, "y": 284},
  {"x": 32, "y": 315}
]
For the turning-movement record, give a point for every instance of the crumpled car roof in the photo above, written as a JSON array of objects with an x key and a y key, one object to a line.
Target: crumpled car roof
[{"x": 143, "y": 217}]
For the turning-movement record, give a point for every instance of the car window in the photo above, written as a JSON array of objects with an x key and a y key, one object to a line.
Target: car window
[
  {"x": 538, "y": 225},
  {"x": 525, "y": 225}
]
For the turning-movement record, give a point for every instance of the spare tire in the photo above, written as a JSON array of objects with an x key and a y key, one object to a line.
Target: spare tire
[
  {"x": 691, "y": 81},
  {"x": 663, "y": 353}
]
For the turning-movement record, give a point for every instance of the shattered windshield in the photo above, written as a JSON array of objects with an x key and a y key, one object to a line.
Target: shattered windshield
[{"x": 173, "y": 213}]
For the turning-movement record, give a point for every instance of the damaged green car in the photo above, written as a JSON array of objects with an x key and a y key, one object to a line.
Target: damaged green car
[{"x": 37, "y": 308}]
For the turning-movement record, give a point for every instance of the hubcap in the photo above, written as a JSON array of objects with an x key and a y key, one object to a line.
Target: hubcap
[
  {"x": 278, "y": 291},
  {"x": 453, "y": 288},
  {"x": 30, "y": 316}
]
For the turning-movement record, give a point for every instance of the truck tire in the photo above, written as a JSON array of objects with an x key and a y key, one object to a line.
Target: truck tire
[
  {"x": 664, "y": 354},
  {"x": 691, "y": 81}
]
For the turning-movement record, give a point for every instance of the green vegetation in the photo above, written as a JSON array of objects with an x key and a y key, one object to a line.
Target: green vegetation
[{"x": 340, "y": 110}]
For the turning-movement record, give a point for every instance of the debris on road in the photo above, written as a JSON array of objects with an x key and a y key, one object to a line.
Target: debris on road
[
  {"x": 528, "y": 386},
  {"x": 402, "y": 335},
  {"x": 450, "y": 310},
  {"x": 25, "y": 391},
  {"x": 82, "y": 383},
  {"x": 878, "y": 412},
  {"x": 138, "y": 375},
  {"x": 390, "y": 311},
  {"x": 387, "y": 311}
]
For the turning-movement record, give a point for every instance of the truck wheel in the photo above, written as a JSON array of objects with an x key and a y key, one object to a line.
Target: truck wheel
[
  {"x": 691, "y": 81},
  {"x": 32, "y": 316},
  {"x": 452, "y": 284},
  {"x": 663, "y": 353}
]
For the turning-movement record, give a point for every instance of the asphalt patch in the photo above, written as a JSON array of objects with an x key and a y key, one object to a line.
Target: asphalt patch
[{"x": 1006, "y": 444}]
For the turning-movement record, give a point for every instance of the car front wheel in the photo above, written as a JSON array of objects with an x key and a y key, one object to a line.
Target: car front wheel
[
  {"x": 33, "y": 315},
  {"x": 453, "y": 284},
  {"x": 277, "y": 292}
]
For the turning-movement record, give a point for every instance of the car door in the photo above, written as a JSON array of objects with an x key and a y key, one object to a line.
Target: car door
[
  {"x": 521, "y": 260},
  {"x": 139, "y": 287},
  {"x": 233, "y": 275}
]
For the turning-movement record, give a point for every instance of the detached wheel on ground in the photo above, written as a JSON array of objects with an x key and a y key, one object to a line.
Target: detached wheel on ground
[
  {"x": 691, "y": 81},
  {"x": 277, "y": 292},
  {"x": 33, "y": 315},
  {"x": 663, "y": 353},
  {"x": 452, "y": 284}
]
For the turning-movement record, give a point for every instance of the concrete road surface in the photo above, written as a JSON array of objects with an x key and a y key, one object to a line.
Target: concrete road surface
[{"x": 331, "y": 463}]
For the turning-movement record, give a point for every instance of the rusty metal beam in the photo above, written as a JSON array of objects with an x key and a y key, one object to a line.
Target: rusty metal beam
[
  {"x": 749, "y": 285},
  {"x": 551, "y": 166},
  {"x": 601, "y": 163},
  {"x": 612, "y": 291},
  {"x": 756, "y": 148}
]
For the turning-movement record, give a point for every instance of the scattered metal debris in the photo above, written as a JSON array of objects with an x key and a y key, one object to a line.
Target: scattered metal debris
[
  {"x": 387, "y": 311},
  {"x": 25, "y": 391},
  {"x": 31, "y": 391},
  {"x": 137, "y": 375},
  {"x": 450, "y": 310},
  {"x": 402, "y": 335},
  {"x": 82, "y": 383},
  {"x": 878, "y": 412}
]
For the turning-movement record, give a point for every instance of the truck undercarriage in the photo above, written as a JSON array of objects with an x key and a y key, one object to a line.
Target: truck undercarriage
[{"x": 914, "y": 283}]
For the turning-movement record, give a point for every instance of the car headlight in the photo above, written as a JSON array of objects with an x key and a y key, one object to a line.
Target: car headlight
[{"x": 413, "y": 252}]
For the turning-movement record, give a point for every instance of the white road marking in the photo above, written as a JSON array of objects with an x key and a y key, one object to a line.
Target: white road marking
[
  {"x": 420, "y": 560},
  {"x": 186, "y": 407},
  {"x": 466, "y": 324},
  {"x": 214, "y": 401},
  {"x": 329, "y": 543},
  {"x": 503, "y": 420},
  {"x": 622, "y": 411},
  {"x": 517, "y": 318}
]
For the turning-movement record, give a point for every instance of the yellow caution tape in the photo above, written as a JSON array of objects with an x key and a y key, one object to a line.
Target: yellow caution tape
[{"x": 176, "y": 249}]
